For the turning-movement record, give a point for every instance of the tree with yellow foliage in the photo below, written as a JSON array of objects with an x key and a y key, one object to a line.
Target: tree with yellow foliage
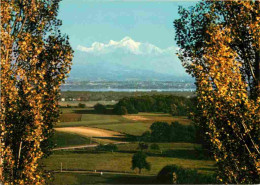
[
  {"x": 222, "y": 53},
  {"x": 35, "y": 60}
]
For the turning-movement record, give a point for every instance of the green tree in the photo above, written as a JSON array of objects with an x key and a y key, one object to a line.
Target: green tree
[
  {"x": 219, "y": 46},
  {"x": 81, "y": 105},
  {"x": 99, "y": 108},
  {"x": 143, "y": 146},
  {"x": 160, "y": 131},
  {"x": 120, "y": 110},
  {"x": 139, "y": 161}
]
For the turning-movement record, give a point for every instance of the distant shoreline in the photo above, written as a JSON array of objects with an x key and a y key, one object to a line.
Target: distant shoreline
[{"x": 129, "y": 90}]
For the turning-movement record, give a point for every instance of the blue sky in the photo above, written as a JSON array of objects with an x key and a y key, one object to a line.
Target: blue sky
[
  {"x": 125, "y": 36},
  {"x": 88, "y": 21}
]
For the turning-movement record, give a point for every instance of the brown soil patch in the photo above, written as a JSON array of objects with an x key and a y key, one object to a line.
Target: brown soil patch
[{"x": 136, "y": 118}]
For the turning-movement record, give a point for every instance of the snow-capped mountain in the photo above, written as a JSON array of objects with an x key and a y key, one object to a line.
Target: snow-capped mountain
[{"x": 125, "y": 59}]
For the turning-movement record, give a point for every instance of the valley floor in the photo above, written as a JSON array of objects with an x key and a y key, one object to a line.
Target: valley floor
[{"x": 81, "y": 164}]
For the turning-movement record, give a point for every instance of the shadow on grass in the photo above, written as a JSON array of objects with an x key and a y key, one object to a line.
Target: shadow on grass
[
  {"x": 80, "y": 179},
  {"x": 84, "y": 111},
  {"x": 92, "y": 111},
  {"x": 131, "y": 180},
  {"x": 180, "y": 154},
  {"x": 184, "y": 154},
  {"x": 118, "y": 138}
]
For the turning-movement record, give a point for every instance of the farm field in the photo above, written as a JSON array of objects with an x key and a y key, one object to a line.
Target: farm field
[
  {"x": 81, "y": 126},
  {"x": 120, "y": 161},
  {"x": 107, "y": 178},
  {"x": 64, "y": 139}
]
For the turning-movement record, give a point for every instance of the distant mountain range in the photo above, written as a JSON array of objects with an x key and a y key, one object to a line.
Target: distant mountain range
[{"x": 126, "y": 60}]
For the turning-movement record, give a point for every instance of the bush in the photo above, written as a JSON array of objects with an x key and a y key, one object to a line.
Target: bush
[
  {"x": 120, "y": 110},
  {"x": 176, "y": 132},
  {"x": 139, "y": 161},
  {"x": 184, "y": 133},
  {"x": 174, "y": 174},
  {"x": 160, "y": 131},
  {"x": 100, "y": 109},
  {"x": 142, "y": 146},
  {"x": 81, "y": 105},
  {"x": 108, "y": 147},
  {"x": 146, "y": 136},
  {"x": 154, "y": 146}
]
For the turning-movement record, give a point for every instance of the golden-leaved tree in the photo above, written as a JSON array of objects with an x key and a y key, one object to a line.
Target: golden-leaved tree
[
  {"x": 219, "y": 46},
  {"x": 35, "y": 60}
]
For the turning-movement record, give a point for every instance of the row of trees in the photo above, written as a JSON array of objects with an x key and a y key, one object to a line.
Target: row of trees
[
  {"x": 174, "y": 132},
  {"x": 219, "y": 47},
  {"x": 177, "y": 106}
]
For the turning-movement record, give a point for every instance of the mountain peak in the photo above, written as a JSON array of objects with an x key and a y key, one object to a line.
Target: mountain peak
[{"x": 127, "y": 38}]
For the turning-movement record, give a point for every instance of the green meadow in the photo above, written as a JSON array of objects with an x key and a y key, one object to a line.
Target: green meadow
[{"x": 83, "y": 166}]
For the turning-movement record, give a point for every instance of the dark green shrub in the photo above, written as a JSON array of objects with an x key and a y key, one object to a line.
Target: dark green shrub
[
  {"x": 139, "y": 161},
  {"x": 142, "y": 146},
  {"x": 176, "y": 132},
  {"x": 160, "y": 131},
  {"x": 81, "y": 105},
  {"x": 146, "y": 136},
  {"x": 120, "y": 110},
  {"x": 100, "y": 109},
  {"x": 174, "y": 174},
  {"x": 182, "y": 133}
]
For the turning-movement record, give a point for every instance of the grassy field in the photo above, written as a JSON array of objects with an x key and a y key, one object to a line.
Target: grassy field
[
  {"x": 134, "y": 124},
  {"x": 62, "y": 139},
  {"x": 120, "y": 161},
  {"x": 117, "y": 163},
  {"x": 83, "y": 178}
]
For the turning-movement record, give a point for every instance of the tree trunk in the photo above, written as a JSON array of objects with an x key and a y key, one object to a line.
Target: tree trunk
[
  {"x": 257, "y": 59},
  {"x": 140, "y": 170},
  {"x": 1, "y": 163}
]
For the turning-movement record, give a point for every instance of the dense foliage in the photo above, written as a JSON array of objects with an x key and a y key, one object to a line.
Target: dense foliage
[
  {"x": 139, "y": 161},
  {"x": 219, "y": 46},
  {"x": 177, "y": 106},
  {"x": 100, "y": 109},
  {"x": 35, "y": 59},
  {"x": 174, "y": 132}
]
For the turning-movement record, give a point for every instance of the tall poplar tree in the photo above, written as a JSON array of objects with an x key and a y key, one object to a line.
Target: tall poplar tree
[
  {"x": 35, "y": 60},
  {"x": 219, "y": 46}
]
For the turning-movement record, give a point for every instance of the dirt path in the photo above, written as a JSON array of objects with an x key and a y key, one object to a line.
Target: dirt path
[
  {"x": 136, "y": 118},
  {"x": 97, "y": 134}
]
